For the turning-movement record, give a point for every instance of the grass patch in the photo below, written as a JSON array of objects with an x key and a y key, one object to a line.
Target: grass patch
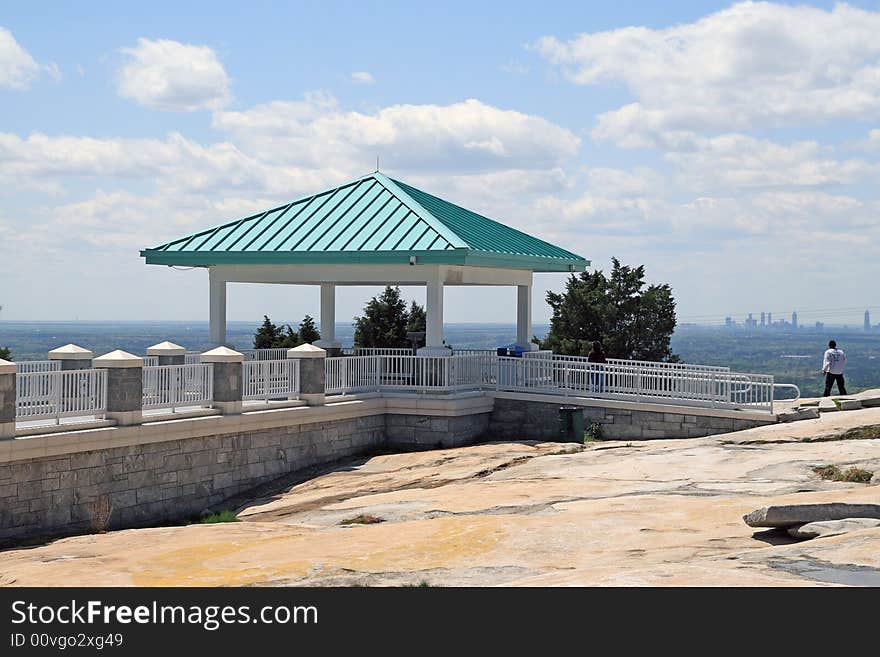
[
  {"x": 852, "y": 474},
  {"x": 424, "y": 584},
  {"x": 594, "y": 433},
  {"x": 362, "y": 519},
  {"x": 870, "y": 432},
  {"x": 221, "y": 516}
]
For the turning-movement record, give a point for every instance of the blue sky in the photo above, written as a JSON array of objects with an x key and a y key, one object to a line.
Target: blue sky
[{"x": 734, "y": 149}]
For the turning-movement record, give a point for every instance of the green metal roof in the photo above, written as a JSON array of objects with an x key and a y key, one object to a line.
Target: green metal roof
[{"x": 373, "y": 219}]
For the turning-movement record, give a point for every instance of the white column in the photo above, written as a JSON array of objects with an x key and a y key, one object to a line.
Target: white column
[
  {"x": 217, "y": 311},
  {"x": 328, "y": 317},
  {"x": 523, "y": 315},
  {"x": 434, "y": 318}
]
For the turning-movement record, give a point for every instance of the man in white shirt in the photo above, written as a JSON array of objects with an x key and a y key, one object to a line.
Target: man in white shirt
[{"x": 833, "y": 365}]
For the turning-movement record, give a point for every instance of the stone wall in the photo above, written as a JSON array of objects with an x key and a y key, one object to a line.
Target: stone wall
[
  {"x": 426, "y": 432},
  {"x": 169, "y": 470},
  {"x": 533, "y": 420},
  {"x": 169, "y": 480}
]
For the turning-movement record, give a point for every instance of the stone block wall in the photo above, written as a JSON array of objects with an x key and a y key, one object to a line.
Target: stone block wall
[
  {"x": 531, "y": 420},
  {"x": 7, "y": 399},
  {"x": 159, "y": 481},
  {"x": 431, "y": 432}
]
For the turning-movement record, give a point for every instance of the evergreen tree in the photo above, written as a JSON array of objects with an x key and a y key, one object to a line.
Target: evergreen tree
[
  {"x": 267, "y": 335},
  {"x": 308, "y": 332},
  {"x": 5, "y": 353},
  {"x": 384, "y": 321},
  {"x": 417, "y": 318},
  {"x": 287, "y": 338},
  {"x": 630, "y": 320}
]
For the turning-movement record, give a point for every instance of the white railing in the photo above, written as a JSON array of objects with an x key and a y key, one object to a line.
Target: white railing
[
  {"x": 192, "y": 358},
  {"x": 151, "y": 361},
  {"x": 30, "y": 366},
  {"x": 474, "y": 352},
  {"x": 271, "y": 379},
  {"x": 350, "y": 374},
  {"x": 176, "y": 386},
  {"x": 661, "y": 365},
  {"x": 384, "y": 351},
  {"x": 347, "y": 374},
  {"x": 264, "y": 354},
  {"x": 649, "y": 382},
  {"x": 60, "y": 394},
  {"x": 712, "y": 388},
  {"x": 377, "y": 351}
]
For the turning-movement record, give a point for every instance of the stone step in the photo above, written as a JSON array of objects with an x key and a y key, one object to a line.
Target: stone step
[
  {"x": 869, "y": 398},
  {"x": 799, "y": 514},
  {"x": 832, "y": 527}
]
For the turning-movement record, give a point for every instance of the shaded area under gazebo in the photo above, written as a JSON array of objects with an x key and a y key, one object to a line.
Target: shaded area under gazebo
[{"x": 370, "y": 231}]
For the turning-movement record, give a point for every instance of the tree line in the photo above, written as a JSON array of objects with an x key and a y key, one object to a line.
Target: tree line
[
  {"x": 385, "y": 322},
  {"x": 631, "y": 318}
]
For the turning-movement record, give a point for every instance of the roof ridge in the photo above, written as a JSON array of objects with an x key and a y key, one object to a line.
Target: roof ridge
[{"x": 454, "y": 240}]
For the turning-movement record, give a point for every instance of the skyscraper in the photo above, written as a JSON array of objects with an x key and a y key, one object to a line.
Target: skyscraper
[
  {"x": 794, "y": 320},
  {"x": 867, "y": 320},
  {"x": 762, "y": 319},
  {"x": 769, "y": 319}
]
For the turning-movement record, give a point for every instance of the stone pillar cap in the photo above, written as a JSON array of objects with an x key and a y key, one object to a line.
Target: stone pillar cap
[
  {"x": 118, "y": 358},
  {"x": 70, "y": 352},
  {"x": 306, "y": 351},
  {"x": 166, "y": 349},
  {"x": 6, "y": 367},
  {"x": 222, "y": 355}
]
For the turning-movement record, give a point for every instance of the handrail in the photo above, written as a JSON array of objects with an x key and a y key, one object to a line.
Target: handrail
[{"x": 787, "y": 385}]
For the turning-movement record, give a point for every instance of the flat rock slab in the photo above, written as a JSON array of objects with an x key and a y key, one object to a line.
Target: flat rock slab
[
  {"x": 810, "y": 402},
  {"x": 801, "y": 514},
  {"x": 832, "y": 527},
  {"x": 827, "y": 406},
  {"x": 799, "y": 414},
  {"x": 849, "y": 403},
  {"x": 869, "y": 398}
]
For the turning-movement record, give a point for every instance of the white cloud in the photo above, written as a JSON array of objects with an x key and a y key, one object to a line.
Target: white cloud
[
  {"x": 749, "y": 65},
  {"x": 17, "y": 67},
  {"x": 173, "y": 76},
  {"x": 174, "y": 163},
  {"x": 364, "y": 77},
  {"x": 734, "y": 161},
  {"x": 467, "y": 136},
  {"x": 53, "y": 71}
]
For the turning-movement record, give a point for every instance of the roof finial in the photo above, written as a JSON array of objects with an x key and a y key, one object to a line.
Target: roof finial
[{"x": 377, "y": 163}]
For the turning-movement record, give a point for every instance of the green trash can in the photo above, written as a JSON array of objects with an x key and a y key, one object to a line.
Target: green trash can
[{"x": 571, "y": 424}]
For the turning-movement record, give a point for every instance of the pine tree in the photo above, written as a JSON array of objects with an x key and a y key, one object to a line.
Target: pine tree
[
  {"x": 287, "y": 338},
  {"x": 630, "y": 320},
  {"x": 384, "y": 321},
  {"x": 267, "y": 335},
  {"x": 417, "y": 318},
  {"x": 5, "y": 353},
  {"x": 308, "y": 332}
]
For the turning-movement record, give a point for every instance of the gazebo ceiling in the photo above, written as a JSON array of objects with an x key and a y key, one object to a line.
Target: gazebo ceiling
[{"x": 372, "y": 220}]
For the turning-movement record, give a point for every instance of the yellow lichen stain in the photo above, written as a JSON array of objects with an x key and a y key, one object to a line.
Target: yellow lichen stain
[
  {"x": 439, "y": 542},
  {"x": 206, "y": 565}
]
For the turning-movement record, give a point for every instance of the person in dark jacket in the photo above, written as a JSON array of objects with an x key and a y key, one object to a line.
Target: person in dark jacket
[{"x": 597, "y": 376}]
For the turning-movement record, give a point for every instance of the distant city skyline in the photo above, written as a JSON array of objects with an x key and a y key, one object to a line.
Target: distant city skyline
[{"x": 766, "y": 321}]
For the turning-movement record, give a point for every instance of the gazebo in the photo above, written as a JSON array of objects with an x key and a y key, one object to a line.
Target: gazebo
[{"x": 370, "y": 231}]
